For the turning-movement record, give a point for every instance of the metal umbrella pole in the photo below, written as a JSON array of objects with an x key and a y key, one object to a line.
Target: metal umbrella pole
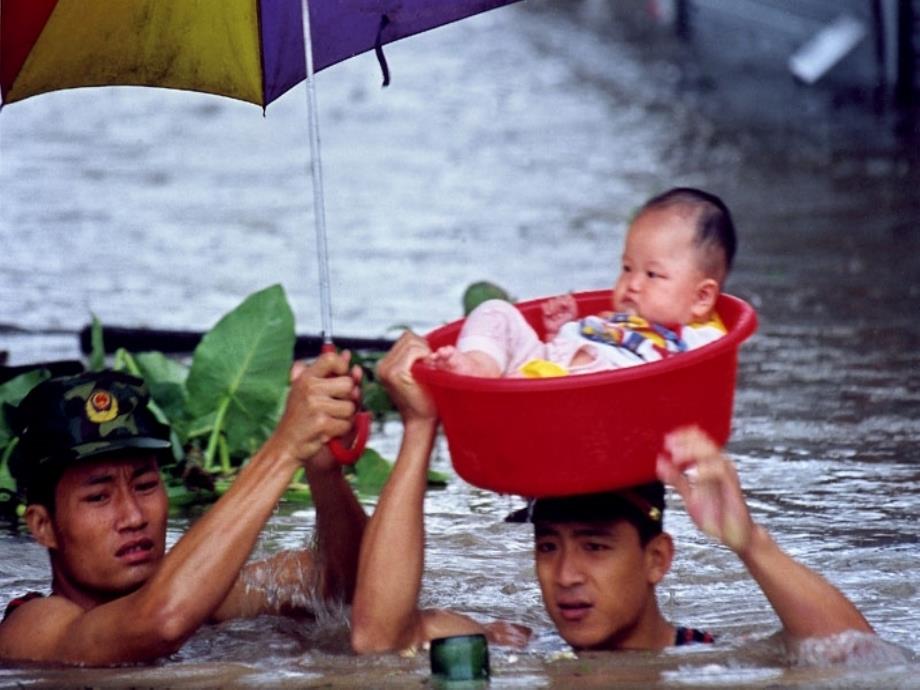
[
  {"x": 341, "y": 452},
  {"x": 316, "y": 165}
]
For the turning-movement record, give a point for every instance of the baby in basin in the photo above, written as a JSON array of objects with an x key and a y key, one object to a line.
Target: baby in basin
[{"x": 679, "y": 249}]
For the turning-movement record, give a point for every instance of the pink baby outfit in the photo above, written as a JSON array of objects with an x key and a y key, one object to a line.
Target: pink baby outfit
[{"x": 497, "y": 328}]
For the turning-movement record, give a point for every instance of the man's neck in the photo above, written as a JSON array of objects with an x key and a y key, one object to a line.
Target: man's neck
[
  {"x": 651, "y": 632},
  {"x": 85, "y": 598}
]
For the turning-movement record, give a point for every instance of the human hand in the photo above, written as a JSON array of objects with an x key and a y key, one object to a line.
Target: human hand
[
  {"x": 321, "y": 404},
  {"x": 708, "y": 482},
  {"x": 395, "y": 372},
  {"x": 557, "y": 311},
  {"x": 505, "y": 634}
]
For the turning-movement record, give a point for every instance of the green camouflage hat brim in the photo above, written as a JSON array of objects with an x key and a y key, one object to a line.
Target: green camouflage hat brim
[{"x": 92, "y": 450}]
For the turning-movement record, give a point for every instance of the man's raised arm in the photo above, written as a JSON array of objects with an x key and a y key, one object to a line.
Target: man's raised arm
[
  {"x": 385, "y": 614},
  {"x": 806, "y": 603},
  {"x": 197, "y": 575}
]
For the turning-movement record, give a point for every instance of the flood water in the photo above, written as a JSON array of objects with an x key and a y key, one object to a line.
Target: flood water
[{"x": 513, "y": 147}]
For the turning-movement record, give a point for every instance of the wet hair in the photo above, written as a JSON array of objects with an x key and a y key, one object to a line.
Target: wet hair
[
  {"x": 641, "y": 506},
  {"x": 42, "y": 491},
  {"x": 715, "y": 229}
]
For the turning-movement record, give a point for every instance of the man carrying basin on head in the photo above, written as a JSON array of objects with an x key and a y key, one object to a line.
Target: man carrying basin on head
[
  {"x": 598, "y": 558},
  {"x": 87, "y": 462}
]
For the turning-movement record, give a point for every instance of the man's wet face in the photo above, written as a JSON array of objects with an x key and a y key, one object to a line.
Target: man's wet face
[
  {"x": 594, "y": 580},
  {"x": 109, "y": 524}
]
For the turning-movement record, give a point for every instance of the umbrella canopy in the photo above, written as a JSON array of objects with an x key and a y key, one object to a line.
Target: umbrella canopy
[{"x": 252, "y": 50}]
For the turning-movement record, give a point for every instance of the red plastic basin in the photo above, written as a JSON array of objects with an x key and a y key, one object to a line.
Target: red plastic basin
[{"x": 585, "y": 433}]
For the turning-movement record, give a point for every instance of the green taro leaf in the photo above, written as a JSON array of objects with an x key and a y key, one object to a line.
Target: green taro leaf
[
  {"x": 165, "y": 379},
  {"x": 372, "y": 472},
  {"x": 11, "y": 394},
  {"x": 298, "y": 493},
  {"x": 437, "y": 478},
  {"x": 477, "y": 293},
  {"x": 241, "y": 368}
]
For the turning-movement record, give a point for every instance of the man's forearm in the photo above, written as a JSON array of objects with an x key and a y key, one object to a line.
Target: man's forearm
[
  {"x": 806, "y": 603},
  {"x": 340, "y": 523},
  {"x": 203, "y": 566},
  {"x": 385, "y": 615}
]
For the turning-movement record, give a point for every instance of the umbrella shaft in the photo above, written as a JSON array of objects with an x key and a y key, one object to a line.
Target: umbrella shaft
[{"x": 319, "y": 205}]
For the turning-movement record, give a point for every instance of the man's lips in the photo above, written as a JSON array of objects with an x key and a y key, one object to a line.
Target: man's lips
[
  {"x": 574, "y": 611},
  {"x": 135, "y": 551}
]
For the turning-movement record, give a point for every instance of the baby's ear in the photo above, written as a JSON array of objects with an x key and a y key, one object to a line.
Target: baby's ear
[{"x": 707, "y": 292}]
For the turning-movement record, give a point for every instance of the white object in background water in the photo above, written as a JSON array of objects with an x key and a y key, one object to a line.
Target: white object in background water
[{"x": 826, "y": 48}]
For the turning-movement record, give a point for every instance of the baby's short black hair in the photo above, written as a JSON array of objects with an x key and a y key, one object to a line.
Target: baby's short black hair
[{"x": 715, "y": 229}]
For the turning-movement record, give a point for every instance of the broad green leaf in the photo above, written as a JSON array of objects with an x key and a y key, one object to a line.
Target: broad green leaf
[
  {"x": 196, "y": 428},
  {"x": 241, "y": 367},
  {"x": 437, "y": 478},
  {"x": 372, "y": 472},
  {"x": 9, "y": 504},
  {"x": 155, "y": 366},
  {"x": 477, "y": 293},
  {"x": 376, "y": 399},
  {"x": 165, "y": 379},
  {"x": 180, "y": 495},
  {"x": 125, "y": 361},
  {"x": 6, "y": 479},
  {"x": 14, "y": 390},
  {"x": 11, "y": 394},
  {"x": 298, "y": 493}
]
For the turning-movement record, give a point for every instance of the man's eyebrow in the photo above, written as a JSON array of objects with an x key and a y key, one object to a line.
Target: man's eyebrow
[
  {"x": 599, "y": 530},
  {"x": 100, "y": 478}
]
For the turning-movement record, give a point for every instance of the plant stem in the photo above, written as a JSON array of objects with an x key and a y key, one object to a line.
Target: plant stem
[
  {"x": 224, "y": 455},
  {"x": 215, "y": 434}
]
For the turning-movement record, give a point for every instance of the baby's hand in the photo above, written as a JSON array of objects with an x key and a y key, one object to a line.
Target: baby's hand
[{"x": 558, "y": 311}]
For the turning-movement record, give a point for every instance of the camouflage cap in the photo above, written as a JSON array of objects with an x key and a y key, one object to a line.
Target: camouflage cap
[{"x": 72, "y": 418}]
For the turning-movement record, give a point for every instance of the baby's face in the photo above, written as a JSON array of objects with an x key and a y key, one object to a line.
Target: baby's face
[{"x": 660, "y": 275}]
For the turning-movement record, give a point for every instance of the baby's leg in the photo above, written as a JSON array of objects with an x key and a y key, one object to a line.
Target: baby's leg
[
  {"x": 582, "y": 358},
  {"x": 472, "y": 363},
  {"x": 495, "y": 340}
]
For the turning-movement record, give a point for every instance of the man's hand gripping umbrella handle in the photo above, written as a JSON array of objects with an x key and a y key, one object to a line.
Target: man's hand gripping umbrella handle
[{"x": 344, "y": 454}]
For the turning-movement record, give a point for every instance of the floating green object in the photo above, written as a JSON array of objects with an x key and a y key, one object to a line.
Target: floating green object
[
  {"x": 477, "y": 293},
  {"x": 460, "y": 658}
]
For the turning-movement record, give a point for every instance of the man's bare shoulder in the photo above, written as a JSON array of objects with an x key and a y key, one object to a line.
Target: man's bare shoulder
[{"x": 33, "y": 629}]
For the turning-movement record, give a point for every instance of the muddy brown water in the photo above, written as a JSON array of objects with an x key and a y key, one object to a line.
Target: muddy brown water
[{"x": 513, "y": 147}]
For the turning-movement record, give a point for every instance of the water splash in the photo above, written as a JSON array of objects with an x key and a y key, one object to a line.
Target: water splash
[
  {"x": 290, "y": 582},
  {"x": 850, "y": 648}
]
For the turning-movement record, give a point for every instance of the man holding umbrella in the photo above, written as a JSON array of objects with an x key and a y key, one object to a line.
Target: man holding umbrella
[
  {"x": 598, "y": 558},
  {"x": 88, "y": 464}
]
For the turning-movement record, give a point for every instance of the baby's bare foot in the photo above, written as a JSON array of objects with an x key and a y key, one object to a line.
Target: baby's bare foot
[{"x": 473, "y": 363}]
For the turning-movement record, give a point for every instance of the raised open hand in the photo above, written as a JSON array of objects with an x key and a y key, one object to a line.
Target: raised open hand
[{"x": 708, "y": 482}]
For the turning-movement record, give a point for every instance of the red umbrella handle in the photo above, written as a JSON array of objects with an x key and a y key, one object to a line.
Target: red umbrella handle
[
  {"x": 349, "y": 456},
  {"x": 344, "y": 454}
]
